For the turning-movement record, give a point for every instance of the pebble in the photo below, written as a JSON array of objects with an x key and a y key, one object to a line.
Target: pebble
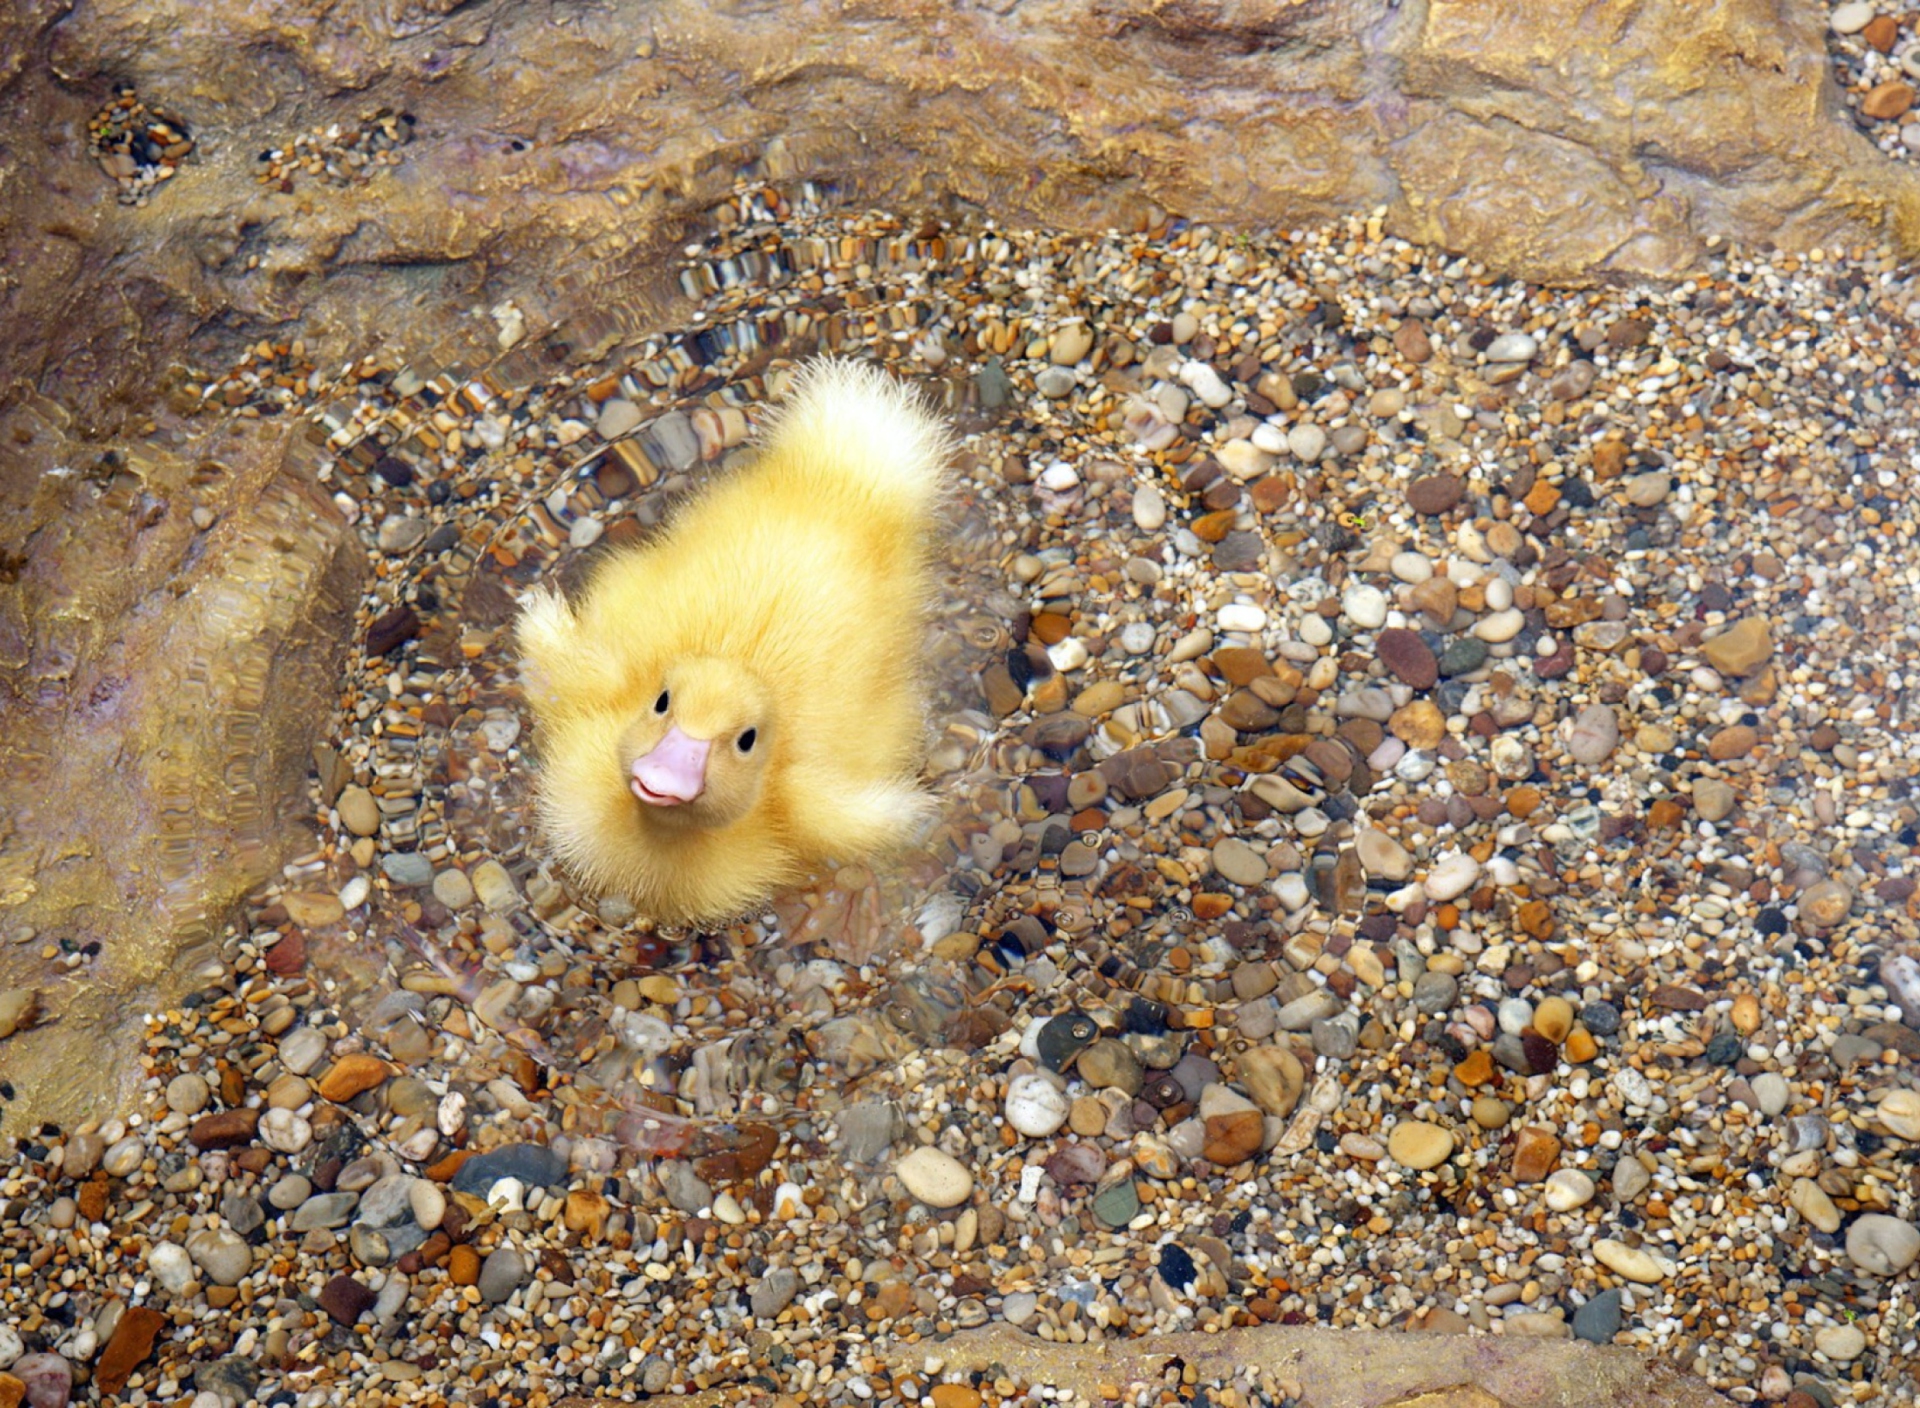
[
  {"x": 1598, "y": 1320},
  {"x": 187, "y": 1094},
  {"x": 1238, "y": 862},
  {"x": 1364, "y": 606},
  {"x": 453, "y": 889},
  {"x": 1035, "y": 1106},
  {"x": 170, "y": 1265},
  {"x": 617, "y": 417},
  {"x": 1418, "y": 1145},
  {"x": 223, "y": 1256},
  {"x": 1771, "y": 1091},
  {"x": 1452, "y": 876},
  {"x": 1841, "y": 1343},
  {"x": 1881, "y": 1245},
  {"x": 1851, "y": 17},
  {"x": 1634, "y": 1263},
  {"x": 937, "y": 1179},
  {"x": 1307, "y": 442},
  {"x": 1568, "y": 1189},
  {"x": 1149, "y": 508},
  {"x": 503, "y": 1272},
  {"x": 359, "y": 813},
  {"x": 1408, "y": 658},
  {"x": 1512, "y": 347},
  {"x": 1594, "y": 735}
]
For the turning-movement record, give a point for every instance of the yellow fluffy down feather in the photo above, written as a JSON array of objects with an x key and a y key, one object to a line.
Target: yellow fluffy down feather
[{"x": 731, "y": 704}]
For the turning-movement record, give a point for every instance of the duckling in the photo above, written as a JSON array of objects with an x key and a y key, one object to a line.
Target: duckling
[{"x": 738, "y": 701}]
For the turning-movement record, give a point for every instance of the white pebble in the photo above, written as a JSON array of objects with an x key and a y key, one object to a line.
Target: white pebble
[
  {"x": 936, "y": 1179},
  {"x": 1149, "y": 508},
  {"x": 1500, "y": 626},
  {"x": 1315, "y": 629},
  {"x": 285, "y": 1131},
  {"x": 1899, "y": 1112},
  {"x": 1067, "y": 655},
  {"x": 1206, "y": 384},
  {"x": 1270, "y": 438},
  {"x": 1411, "y": 567},
  {"x": 1307, "y": 442},
  {"x": 1852, "y": 17},
  {"x": 353, "y": 894},
  {"x": 1059, "y": 477},
  {"x": 1567, "y": 1189},
  {"x": 1512, "y": 347},
  {"x": 1035, "y": 1106},
  {"x": 1243, "y": 460},
  {"x": 170, "y": 1265},
  {"x": 1365, "y": 606},
  {"x": 1841, "y": 1343},
  {"x": 1239, "y": 616},
  {"x": 1453, "y": 876}
]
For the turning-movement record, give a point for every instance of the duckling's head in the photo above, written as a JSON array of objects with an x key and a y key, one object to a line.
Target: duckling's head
[{"x": 697, "y": 753}]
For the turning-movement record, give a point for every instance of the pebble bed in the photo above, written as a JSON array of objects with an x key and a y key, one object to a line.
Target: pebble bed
[
  {"x": 1876, "y": 62},
  {"x": 1429, "y": 844},
  {"x": 136, "y": 147}
]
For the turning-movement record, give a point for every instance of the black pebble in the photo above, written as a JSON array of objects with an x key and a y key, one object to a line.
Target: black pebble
[
  {"x": 1176, "y": 1267},
  {"x": 394, "y": 471},
  {"x": 1602, "y": 1018},
  {"x": 392, "y": 630}
]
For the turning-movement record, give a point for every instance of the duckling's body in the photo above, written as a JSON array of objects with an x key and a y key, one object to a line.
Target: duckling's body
[{"x": 740, "y": 700}]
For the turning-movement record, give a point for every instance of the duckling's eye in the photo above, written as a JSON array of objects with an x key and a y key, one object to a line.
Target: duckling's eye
[
  {"x": 660, "y": 704},
  {"x": 746, "y": 740}
]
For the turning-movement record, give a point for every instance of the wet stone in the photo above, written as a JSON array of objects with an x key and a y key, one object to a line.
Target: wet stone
[
  {"x": 1436, "y": 493},
  {"x": 346, "y": 1300},
  {"x": 1065, "y": 1036},
  {"x": 534, "y": 1165},
  {"x": 1598, "y": 1321},
  {"x": 1407, "y": 657}
]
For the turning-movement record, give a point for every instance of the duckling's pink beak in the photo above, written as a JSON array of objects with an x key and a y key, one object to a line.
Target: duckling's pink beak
[{"x": 675, "y": 772}]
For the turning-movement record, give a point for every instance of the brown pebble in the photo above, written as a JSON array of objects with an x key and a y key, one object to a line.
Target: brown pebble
[
  {"x": 1234, "y": 1138},
  {"x": 351, "y": 1075},
  {"x": 1435, "y": 493},
  {"x": 1437, "y": 599},
  {"x": 92, "y": 1198},
  {"x": 1476, "y": 1070},
  {"x": 463, "y": 1266},
  {"x": 1407, "y": 657},
  {"x": 1410, "y": 340},
  {"x": 1734, "y": 741},
  {"x": 1881, "y": 32},
  {"x": 1677, "y": 999},
  {"x": 224, "y": 1130},
  {"x": 345, "y": 1299},
  {"x": 1536, "y": 1153},
  {"x": 1887, "y": 101},
  {"x": 130, "y": 1344},
  {"x": 1240, "y": 666}
]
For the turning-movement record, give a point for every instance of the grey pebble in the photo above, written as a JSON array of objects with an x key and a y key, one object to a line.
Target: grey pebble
[
  {"x": 535, "y": 1165},
  {"x": 774, "y": 1293},
  {"x": 242, "y": 1213},
  {"x": 865, "y": 1131},
  {"x": 222, "y": 1255},
  {"x": 1434, "y": 993},
  {"x": 501, "y": 1274},
  {"x": 684, "y": 1188},
  {"x": 324, "y": 1210},
  {"x": 1598, "y": 1321},
  {"x": 407, "y": 869}
]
